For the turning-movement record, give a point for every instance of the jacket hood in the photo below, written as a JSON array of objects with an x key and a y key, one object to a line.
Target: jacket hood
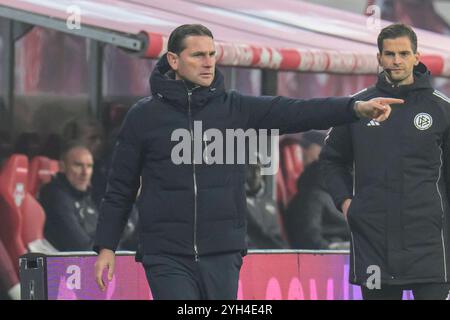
[
  {"x": 164, "y": 86},
  {"x": 422, "y": 80}
]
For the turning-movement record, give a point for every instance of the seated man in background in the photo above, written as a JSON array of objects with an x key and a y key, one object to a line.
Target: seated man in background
[
  {"x": 263, "y": 224},
  {"x": 71, "y": 216},
  {"x": 311, "y": 219}
]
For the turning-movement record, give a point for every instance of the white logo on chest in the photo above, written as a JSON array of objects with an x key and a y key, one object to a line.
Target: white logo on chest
[
  {"x": 373, "y": 123},
  {"x": 423, "y": 121}
]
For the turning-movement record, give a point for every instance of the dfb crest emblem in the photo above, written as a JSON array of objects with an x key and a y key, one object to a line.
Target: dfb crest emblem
[{"x": 423, "y": 121}]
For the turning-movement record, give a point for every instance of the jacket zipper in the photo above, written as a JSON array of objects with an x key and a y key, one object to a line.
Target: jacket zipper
[{"x": 196, "y": 256}]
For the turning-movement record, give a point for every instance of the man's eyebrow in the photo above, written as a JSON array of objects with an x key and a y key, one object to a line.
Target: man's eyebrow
[
  {"x": 390, "y": 52},
  {"x": 204, "y": 52},
  {"x": 79, "y": 163}
]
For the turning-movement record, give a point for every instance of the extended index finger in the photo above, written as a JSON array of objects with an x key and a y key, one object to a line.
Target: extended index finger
[{"x": 390, "y": 100}]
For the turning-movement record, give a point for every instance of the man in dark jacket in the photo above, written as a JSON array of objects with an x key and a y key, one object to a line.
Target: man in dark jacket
[
  {"x": 71, "y": 215},
  {"x": 263, "y": 222},
  {"x": 397, "y": 202},
  {"x": 192, "y": 212}
]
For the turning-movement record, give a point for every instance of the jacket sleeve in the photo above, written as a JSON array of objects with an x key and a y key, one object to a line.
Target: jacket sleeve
[
  {"x": 337, "y": 164},
  {"x": 446, "y": 159},
  {"x": 62, "y": 228},
  {"x": 123, "y": 183},
  {"x": 444, "y": 104},
  {"x": 295, "y": 115}
]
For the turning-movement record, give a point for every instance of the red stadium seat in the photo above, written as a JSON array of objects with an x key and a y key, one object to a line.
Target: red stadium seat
[
  {"x": 281, "y": 190},
  {"x": 297, "y": 157},
  {"x": 33, "y": 221},
  {"x": 292, "y": 167},
  {"x": 54, "y": 166},
  {"x": 41, "y": 171},
  {"x": 13, "y": 188}
]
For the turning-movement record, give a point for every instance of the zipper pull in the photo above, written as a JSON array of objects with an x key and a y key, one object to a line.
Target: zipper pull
[
  {"x": 189, "y": 100},
  {"x": 196, "y": 257}
]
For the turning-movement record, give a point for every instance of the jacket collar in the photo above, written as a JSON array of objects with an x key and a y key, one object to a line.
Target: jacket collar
[{"x": 164, "y": 86}]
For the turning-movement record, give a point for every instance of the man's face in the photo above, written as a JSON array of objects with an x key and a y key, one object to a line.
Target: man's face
[
  {"x": 398, "y": 60},
  {"x": 78, "y": 166},
  {"x": 196, "y": 63}
]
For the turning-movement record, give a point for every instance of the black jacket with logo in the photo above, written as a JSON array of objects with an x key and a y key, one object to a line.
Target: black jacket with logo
[
  {"x": 194, "y": 208},
  {"x": 399, "y": 215}
]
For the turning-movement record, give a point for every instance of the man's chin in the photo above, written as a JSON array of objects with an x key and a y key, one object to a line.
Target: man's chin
[
  {"x": 82, "y": 188},
  {"x": 205, "y": 83}
]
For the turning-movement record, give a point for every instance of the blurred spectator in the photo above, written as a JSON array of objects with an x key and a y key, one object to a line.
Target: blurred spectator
[
  {"x": 9, "y": 282},
  {"x": 90, "y": 132},
  {"x": 311, "y": 219},
  {"x": 263, "y": 227},
  {"x": 28, "y": 143},
  {"x": 71, "y": 214},
  {"x": 311, "y": 143},
  {"x": 86, "y": 130},
  {"x": 51, "y": 147}
]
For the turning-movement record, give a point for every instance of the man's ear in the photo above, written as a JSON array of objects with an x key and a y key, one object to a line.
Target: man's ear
[
  {"x": 172, "y": 59},
  {"x": 379, "y": 59},
  {"x": 417, "y": 55}
]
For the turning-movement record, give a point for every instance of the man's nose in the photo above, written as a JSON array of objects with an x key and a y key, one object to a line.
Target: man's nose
[
  {"x": 397, "y": 59},
  {"x": 84, "y": 171},
  {"x": 209, "y": 61}
]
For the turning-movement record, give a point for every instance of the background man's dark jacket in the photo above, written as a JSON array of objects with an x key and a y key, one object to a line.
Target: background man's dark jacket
[
  {"x": 194, "y": 208},
  {"x": 263, "y": 223},
  {"x": 399, "y": 216},
  {"x": 312, "y": 221}
]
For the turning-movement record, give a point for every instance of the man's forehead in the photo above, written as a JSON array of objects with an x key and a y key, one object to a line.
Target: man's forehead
[
  {"x": 79, "y": 154},
  {"x": 199, "y": 43},
  {"x": 400, "y": 43}
]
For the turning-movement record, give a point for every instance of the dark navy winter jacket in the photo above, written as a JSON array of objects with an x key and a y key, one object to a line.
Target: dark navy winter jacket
[
  {"x": 71, "y": 215},
  {"x": 187, "y": 208},
  {"x": 399, "y": 217}
]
